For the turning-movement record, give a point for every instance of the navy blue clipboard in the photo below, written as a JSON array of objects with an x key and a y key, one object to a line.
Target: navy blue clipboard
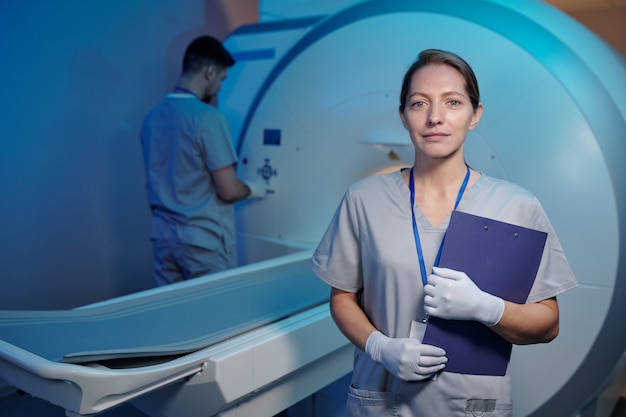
[{"x": 502, "y": 259}]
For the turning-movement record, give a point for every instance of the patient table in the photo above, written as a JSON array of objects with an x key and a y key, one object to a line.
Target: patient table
[{"x": 224, "y": 337}]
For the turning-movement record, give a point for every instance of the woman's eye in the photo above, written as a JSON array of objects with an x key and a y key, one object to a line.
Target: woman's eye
[
  {"x": 418, "y": 104},
  {"x": 454, "y": 102}
]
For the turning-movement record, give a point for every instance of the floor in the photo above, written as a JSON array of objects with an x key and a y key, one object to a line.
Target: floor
[{"x": 26, "y": 406}]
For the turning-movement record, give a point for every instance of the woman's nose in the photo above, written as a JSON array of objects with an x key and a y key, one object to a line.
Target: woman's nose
[{"x": 435, "y": 116}]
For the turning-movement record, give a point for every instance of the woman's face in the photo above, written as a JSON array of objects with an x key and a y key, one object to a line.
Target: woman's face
[{"x": 438, "y": 112}]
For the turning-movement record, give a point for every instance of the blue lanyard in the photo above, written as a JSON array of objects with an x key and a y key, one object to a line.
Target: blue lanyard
[
  {"x": 185, "y": 90},
  {"x": 418, "y": 245}
]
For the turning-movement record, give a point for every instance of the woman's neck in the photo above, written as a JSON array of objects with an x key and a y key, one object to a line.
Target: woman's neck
[
  {"x": 439, "y": 173},
  {"x": 437, "y": 187}
]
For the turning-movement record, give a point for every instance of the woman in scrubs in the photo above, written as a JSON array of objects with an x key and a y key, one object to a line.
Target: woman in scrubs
[{"x": 380, "y": 248}]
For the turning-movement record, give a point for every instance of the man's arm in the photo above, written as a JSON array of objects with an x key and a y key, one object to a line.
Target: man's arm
[{"x": 228, "y": 186}]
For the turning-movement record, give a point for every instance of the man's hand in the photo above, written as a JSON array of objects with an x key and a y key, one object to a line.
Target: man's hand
[{"x": 258, "y": 189}]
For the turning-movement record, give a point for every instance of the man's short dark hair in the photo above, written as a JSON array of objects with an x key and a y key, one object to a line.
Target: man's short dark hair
[{"x": 206, "y": 50}]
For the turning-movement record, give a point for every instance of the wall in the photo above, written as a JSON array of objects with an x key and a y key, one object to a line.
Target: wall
[
  {"x": 78, "y": 77},
  {"x": 609, "y": 24}
]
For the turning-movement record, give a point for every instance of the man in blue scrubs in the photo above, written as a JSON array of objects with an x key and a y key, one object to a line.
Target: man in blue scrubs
[{"x": 190, "y": 170}]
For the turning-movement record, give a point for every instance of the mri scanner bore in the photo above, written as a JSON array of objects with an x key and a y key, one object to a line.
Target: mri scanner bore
[{"x": 329, "y": 86}]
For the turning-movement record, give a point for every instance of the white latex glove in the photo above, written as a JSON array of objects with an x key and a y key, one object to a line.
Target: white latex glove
[
  {"x": 406, "y": 359},
  {"x": 453, "y": 295},
  {"x": 258, "y": 189}
]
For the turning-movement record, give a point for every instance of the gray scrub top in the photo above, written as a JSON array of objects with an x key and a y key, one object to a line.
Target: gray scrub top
[
  {"x": 183, "y": 140},
  {"x": 369, "y": 249}
]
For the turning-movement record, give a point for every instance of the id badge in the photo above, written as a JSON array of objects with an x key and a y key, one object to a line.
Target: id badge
[{"x": 418, "y": 328}]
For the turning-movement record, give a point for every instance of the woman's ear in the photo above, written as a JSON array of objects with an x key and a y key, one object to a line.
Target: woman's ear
[
  {"x": 478, "y": 113},
  {"x": 403, "y": 119}
]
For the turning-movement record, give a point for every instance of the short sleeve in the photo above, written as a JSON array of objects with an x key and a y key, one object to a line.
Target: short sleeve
[
  {"x": 555, "y": 275},
  {"x": 215, "y": 140},
  {"x": 337, "y": 259}
]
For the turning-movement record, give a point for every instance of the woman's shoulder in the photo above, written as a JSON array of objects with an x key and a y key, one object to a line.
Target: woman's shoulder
[
  {"x": 506, "y": 201},
  {"x": 376, "y": 183},
  {"x": 376, "y": 190},
  {"x": 505, "y": 187}
]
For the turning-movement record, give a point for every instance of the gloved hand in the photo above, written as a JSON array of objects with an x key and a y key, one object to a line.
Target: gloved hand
[
  {"x": 406, "y": 359},
  {"x": 258, "y": 189},
  {"x": 453, "y": 295}
]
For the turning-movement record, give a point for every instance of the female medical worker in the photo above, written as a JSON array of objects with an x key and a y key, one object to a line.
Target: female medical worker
[{"x": 368, "y": 255}]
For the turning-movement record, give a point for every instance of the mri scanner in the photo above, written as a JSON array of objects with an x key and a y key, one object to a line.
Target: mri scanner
[{"x": 313, "y": 105}]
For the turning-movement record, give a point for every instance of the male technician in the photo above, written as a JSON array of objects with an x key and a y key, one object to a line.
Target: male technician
[{"x": 190, "y": 170}]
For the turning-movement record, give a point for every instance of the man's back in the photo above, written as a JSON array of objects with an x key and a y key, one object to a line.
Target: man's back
[{"x": 183, "y": 140}]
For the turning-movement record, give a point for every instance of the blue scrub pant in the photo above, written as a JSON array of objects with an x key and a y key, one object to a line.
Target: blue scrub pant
[{"x": 175, "y": 261}]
